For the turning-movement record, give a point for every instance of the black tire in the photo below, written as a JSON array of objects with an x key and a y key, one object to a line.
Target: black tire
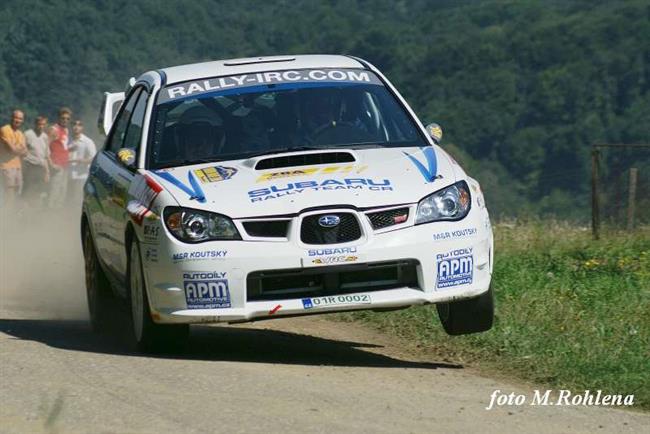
[
  {"x": 149, "y": 336},
  {"x": 473, "y": 315},
  {"x": 98, "y": 288}
]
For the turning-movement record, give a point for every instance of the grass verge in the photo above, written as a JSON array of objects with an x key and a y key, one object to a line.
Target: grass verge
[{"x": 572, "y": 313}]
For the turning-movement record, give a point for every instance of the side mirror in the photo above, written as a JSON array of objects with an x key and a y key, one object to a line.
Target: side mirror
[
  {"x": 126, "y": 157},
  {"x": 435, "y": 132}
]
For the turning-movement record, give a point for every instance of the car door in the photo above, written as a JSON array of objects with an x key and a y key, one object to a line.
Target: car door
[
  {"x": 115, "y": 179},
  {"x": 123, "y": 178}
]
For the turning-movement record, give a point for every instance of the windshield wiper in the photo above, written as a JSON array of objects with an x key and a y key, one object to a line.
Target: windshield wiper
[
  {"x": 229, "y": 157},
  {"x": 361, "y": 145},
  {"x": 376, "y": 145},
  {"x": 283, "y": 150},
  {"x": 188, "y": 162}
]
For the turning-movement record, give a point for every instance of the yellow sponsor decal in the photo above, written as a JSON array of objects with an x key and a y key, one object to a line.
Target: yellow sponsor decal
[
  {"x": 272, "y": 176},
  {"x": 214, "y": 174}
]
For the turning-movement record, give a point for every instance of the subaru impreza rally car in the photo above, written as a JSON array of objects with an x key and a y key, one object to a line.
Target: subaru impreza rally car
[{"x": 259, "y": 188}]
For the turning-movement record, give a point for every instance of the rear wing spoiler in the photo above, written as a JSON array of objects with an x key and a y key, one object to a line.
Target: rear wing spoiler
[{"x": 110, "y": 106}]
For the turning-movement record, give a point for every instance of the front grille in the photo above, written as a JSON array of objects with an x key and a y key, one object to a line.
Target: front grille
[
  {"x": 267, "y": 228},
  {"x": 311, "y": 232},
  {"x": 331, "y": 280},
  {"x": 384, "y": 219}
]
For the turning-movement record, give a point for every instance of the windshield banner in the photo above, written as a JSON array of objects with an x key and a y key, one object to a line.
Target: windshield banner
[{"x": 198, "y": 87}]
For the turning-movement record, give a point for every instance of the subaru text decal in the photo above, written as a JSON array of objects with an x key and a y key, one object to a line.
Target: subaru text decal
[
  {"x": 332, "y": 251},
  {"x": 276, "y": 191}
]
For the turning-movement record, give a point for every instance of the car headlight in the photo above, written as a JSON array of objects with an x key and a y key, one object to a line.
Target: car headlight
[
  {"x": 194, "y": 226},
  {"x": 450, "y": 203}
]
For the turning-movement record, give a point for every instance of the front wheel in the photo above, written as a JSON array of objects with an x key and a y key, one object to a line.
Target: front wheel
[
  {"x": 98, "y": 290},
  {"x": 472, "y": 315},
  {"x": 148, "y": 335}
]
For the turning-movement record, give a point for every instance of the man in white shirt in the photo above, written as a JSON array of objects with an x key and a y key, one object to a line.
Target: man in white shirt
[
  {"x": 80, "y": 159},
  {"x": 36, "y": 164}
]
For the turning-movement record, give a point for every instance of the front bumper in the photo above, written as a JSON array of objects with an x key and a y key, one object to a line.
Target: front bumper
[{"x": 454, "y": 261}]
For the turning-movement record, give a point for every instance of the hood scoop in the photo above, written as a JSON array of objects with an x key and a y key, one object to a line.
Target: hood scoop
[{"x": 307, "y": 159}]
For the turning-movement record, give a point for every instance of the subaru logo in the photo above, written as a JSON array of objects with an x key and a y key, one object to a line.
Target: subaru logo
[{"x": 329, "y": 221}]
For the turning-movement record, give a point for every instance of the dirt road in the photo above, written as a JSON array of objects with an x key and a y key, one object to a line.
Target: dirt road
[{"x": 297, "y": 375}]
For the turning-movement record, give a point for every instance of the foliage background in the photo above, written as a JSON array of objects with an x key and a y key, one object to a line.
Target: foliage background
[{"x": 521, "y": 88}]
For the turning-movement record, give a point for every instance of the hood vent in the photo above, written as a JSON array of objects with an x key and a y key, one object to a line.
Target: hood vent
[{"x": 305, "y": 160}]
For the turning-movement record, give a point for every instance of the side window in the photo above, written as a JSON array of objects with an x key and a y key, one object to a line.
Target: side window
[
  {"x": 134, "y": 130},
  {"x": 121, "y": 122}
]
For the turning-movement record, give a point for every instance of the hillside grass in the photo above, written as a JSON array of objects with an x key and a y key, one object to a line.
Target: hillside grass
[{"x": 572, "y": 313}]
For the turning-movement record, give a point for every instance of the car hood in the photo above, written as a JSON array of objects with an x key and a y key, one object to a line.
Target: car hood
[{"x": 377, "y": 177}]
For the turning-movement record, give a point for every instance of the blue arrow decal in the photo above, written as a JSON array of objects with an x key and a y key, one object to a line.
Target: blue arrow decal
[
  {"x": 194, "y": 191},
  {"x": 429, "y": 173}
]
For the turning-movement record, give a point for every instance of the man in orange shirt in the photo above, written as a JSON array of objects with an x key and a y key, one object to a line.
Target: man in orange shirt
[{"x": 12, "y": 149}]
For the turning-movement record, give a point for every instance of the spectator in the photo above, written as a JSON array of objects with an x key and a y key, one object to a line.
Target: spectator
[
  {"x": 60, "y": 157},
  {"x": 36, "y": 165},
  {"x": 12, "y": 148},
  {"x": 80, "y": 159}
]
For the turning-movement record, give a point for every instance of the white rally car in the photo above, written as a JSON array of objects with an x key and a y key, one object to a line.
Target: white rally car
[{"x": 258, "y": 188}]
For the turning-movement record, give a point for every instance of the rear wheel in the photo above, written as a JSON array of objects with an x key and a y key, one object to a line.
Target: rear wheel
[
  {"x": 472, "y": 315},
  {"x": 98, "y": 290},
  {"x": 148, "y": 335}
]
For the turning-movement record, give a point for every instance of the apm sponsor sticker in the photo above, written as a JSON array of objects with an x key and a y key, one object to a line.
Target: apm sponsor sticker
[
  {"x": 336, "y": 300},
  {"x": 455, "y": 268},
  {"x": 206, "y": 290}
]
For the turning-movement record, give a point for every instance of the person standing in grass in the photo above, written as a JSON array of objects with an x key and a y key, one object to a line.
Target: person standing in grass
[
  {"x": 36, "y": 165},
  {"x": 60, "y": 157},
  {"x": 12, "y": 149}
]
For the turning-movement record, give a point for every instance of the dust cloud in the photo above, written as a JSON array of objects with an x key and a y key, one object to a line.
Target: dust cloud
[{"x": 41, "y": 263}]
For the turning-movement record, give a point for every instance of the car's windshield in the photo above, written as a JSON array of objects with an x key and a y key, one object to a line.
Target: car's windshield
[{"x": 236, "y": 117}]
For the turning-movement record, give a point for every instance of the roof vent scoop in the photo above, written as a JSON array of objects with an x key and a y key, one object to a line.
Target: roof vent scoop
[{"x": 308, "y": 159}]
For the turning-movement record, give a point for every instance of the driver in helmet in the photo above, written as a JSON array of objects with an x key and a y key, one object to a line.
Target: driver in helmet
[
  {"x": 324, "y": 123},
  {"x": 199, "y": 134}
]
